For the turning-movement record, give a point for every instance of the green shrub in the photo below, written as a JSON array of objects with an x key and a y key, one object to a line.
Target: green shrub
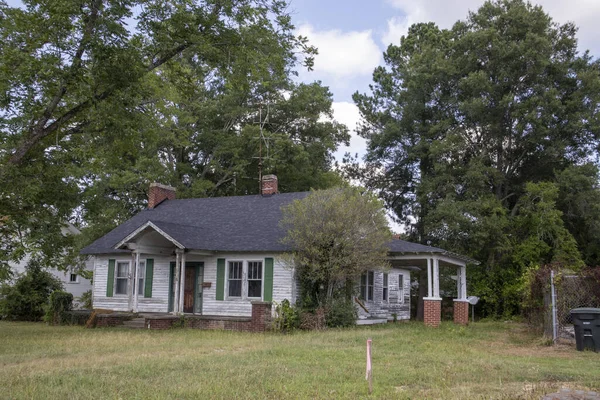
[
  {"x": 59, "y": 303},
  {"x": 340, "y": 313},
  {"x": 75, "y": 317},
  {"x": 86, "y": 300},
  {"x": 26, "y": 300},
  {"x": 287, "y": 317}
]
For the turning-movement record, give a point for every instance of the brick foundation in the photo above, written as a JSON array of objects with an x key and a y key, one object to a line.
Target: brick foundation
[
  {"x": 461, "y": 312},
  {"x": 432, "y": 312},
  {"x": 108, "y": 320},
  {"x": 260, "y": 321}
]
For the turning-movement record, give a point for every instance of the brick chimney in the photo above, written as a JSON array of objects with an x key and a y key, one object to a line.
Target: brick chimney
[
  {"x": 269, "y": 185},
  {"x": 159, "y": 193}
]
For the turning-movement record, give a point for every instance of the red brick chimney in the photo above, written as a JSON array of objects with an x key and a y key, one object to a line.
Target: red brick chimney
[
  {"x": 159, "y": 193},
  {"x": 269, "y": 185}
]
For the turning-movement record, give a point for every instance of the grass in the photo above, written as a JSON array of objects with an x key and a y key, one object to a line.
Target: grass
[{"x": 484, "y": 360}]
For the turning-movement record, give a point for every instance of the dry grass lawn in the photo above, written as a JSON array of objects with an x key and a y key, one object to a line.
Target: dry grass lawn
[{"x": 484, "y": 360}]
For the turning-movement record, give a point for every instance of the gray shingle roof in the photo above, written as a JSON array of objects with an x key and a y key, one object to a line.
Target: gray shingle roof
[{"x": 236, "y": 224}]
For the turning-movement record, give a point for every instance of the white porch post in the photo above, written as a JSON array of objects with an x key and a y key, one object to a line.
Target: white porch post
[
  {"x": 463, "y": 282},
  {"x": 436, "y": 278},
  {"x": 182, "y": 285},
  {"x": 176, "y": 291},
  {"x": 429, "y": 279},
  {"x": 136, "y": 272}
]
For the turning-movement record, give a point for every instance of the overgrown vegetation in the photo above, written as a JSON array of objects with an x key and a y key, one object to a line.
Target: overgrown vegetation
[
  {"x": 59, "y": 304},
  {"x": 336, "y": 235},
  {"x": 27, "y": 299},
  {"x": 410, "y": 361},
  {"x": 86, "y": 300}
]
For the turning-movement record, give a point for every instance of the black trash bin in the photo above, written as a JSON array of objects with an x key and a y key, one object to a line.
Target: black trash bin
[{"x": 587, "y": 328}]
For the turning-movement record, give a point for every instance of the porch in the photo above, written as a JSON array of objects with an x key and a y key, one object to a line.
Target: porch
[{"x": 430, "y": 264}]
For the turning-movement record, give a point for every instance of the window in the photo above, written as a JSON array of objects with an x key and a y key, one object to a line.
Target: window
[
  {"x": 385, "y": 287},
  {"x": 73, "y": 278},
  {"x": 235, "y": 278},
  {"x": 255, "y": 279},
  {"x": 122, "y": 277},
  {"x": 141, "y": 277},
  {"x": 400, "y": 288},
  {"x": 366, "y": 285}
]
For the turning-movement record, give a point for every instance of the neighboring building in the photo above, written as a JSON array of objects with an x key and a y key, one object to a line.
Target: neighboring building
[
  {"x": 73, "y": 283},
  {"x": 214, "y": 256}
]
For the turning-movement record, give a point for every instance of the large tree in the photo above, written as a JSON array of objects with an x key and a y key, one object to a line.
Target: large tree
[
  {"x": 100, "y": 97},
  {"x": 335, "y": 235},
  {"x": 460, "y": 120}
]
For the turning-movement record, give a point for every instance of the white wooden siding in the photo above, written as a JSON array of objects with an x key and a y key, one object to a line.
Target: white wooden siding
[{"x": 282, "y": 284}]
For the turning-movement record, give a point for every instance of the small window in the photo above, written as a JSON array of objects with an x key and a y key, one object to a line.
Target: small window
[
  {"x": 73, "y": 278},
  {"x": 235, "y": 278},
  {"x": 122, "y": 277},
  {"x": 141, "y": 277},
  {"x": 366, "y": 285},
  {"x": 400, "y": 288},
  {"x": 255, "y": 279},
  {"x": 385, "y": 287}
]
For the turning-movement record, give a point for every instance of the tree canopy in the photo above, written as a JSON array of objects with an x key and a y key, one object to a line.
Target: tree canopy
[
  {"x": 99, "y": 98},
  {"x": 335, "y": 236},
  {"x": 472, "y": 132}
]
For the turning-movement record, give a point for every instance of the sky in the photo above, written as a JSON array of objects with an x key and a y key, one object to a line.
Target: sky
[{"x": 353, "y": 34}]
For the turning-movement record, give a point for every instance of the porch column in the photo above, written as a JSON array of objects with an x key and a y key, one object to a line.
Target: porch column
[
  {"x": 432, "y": 304},
  {"x": 176, "y": 290},
  {"x": 182, "y": 285},
  {"x": 429, "y": 279},
  {"x": 136, "y": 273},
  {"x": 461, "y": 305},
  {"x": 436, "y": 278}
]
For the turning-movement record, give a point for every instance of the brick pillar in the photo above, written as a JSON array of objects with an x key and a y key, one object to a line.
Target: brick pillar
[
  {"x": 461, "y": 312},
  {"x": 432, "y": 312},
  {"x": 261, "y": 316}
]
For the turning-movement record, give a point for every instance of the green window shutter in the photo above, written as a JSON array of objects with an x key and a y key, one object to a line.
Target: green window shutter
[
  {"x": 111, "y": 278},
  {"x": 268, "y": 295},
  {"x": 220, "y": 278},
  {"x": 148, "y": 278}
]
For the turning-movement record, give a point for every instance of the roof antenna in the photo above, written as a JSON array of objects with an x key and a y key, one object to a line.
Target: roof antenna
[{"x": 262, "y": 138}]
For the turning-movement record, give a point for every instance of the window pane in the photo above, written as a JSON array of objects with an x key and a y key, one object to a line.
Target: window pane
[
  {"x": 73, "y": 278},
  {"x": 122, "y": 269},
  {"x": 141, "y": 286},
  {"x": 254, "y": 288},
  {"x": 385, "y": 294},
  {"x": 370, "y": 293},
  {"x": 235, "y": 288},
  {"x": 121, "y": 287},
  {"x": 385, "y": 280}
]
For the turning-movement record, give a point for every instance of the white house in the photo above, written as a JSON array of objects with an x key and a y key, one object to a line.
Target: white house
[
  {"x": 215, "y": 256},
  {"x": 73, "y": 282}
]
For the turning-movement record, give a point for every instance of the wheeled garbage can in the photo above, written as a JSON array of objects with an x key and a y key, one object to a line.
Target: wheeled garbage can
[{"x": 587, "y": 328}]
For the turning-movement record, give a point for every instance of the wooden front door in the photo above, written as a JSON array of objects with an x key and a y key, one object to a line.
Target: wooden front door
[{"x": 190, "y": 284}]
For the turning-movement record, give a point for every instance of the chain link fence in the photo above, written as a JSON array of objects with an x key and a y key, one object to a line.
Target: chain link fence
[{"x": 571, "y": 291}]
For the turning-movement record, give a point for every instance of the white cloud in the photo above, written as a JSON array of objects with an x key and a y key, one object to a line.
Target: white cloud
[
  {"x": 584, "y": 13},
  {"x": 348, "y": 114},
  {"x": 343, "y": 54}
]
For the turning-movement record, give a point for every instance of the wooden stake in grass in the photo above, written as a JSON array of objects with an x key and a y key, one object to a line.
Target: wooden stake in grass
[{"x": 369, "y": 376}]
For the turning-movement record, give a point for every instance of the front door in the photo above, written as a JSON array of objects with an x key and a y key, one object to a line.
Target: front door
[
  {"x": 192, "y": 291},
  {"x": 188, "y": 291}
]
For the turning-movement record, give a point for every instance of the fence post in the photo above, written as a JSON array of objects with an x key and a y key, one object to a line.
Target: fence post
[{"x": 554, "y": 319}]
